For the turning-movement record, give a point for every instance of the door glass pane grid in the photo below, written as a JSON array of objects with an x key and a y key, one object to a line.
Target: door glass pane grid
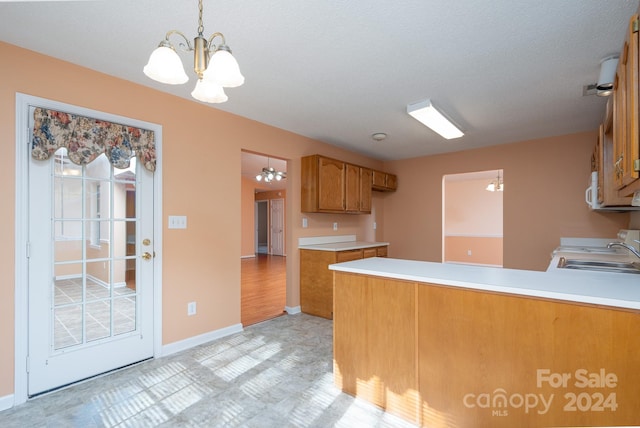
[{"x": 94, "y": 286}]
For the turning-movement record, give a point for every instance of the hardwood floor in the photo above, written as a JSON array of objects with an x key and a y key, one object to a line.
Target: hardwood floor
[{"x": 263, "y": 293}]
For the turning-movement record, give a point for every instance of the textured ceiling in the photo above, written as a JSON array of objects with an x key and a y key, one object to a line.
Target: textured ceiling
[{"x": 338, "y": 71}]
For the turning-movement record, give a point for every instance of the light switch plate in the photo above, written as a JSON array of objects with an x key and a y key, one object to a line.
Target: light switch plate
[
  {"x": 191, "y": 308},
  {"x": 177, "y": 222}
]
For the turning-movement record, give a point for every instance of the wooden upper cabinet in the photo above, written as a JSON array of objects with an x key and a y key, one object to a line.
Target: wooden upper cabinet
[
  {"x": 352, "y": 188},
  {"x": 603, "y": 163},
  {"x": 365, "y": 189},
  {"x": 384, "y": 182},
  {"x": 333, "y": 186},
  {"x": 626, "y": 141}
]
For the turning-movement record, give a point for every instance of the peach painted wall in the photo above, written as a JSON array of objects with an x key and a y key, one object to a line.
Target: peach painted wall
[
  {"x": 485, "y": 250},
  {"x": 472, "y": 210},
  {"x": 473, "y": 222},
  {"x": 545, "y": 180},
  {"x": 201, "y": 263}
]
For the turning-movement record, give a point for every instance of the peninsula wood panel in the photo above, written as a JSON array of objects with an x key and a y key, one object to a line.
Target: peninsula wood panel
[
  {"x": 483, "y": 343},
  {"x": 483, "y": 359},
  {"x": 375, "y": 342}
]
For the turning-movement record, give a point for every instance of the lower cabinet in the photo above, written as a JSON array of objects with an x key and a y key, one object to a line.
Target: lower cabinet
[{"x": 316, "y": 280}]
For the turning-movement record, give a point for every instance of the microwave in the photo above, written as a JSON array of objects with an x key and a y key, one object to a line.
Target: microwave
[{"x": 591, "y": 198}]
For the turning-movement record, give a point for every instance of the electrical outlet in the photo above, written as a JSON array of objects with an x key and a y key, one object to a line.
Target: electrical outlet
[
  {"x": 191, "y": 308},
  {"x": 305, "y": 222},
  {"x": 375, "y": 225},
  {"x": 335, "y": 226},
  {"x": 468, "y": 252}
]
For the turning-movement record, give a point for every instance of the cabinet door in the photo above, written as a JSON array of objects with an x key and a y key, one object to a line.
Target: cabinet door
[
  {"x": 379, "y": 180},
  {"x": 316, "y": 283},
  {"x": 369, "y": 252},
  {"x": 625, "y": 111},
  {"x": 596, "y": 162},
  {"x": 331, "y": 178},
  {"x": 607, "y": 187},
  {"x": 392, "y": 182},
  {"x": 365, "y": 190},
  {"x": 381, "y": 251},
  {"x": 352, "y": 188},
  {"x": 348, "y": 255}
]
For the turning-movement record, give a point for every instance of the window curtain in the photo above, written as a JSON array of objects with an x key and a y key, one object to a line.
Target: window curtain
[{"x": 86, "y": 139}]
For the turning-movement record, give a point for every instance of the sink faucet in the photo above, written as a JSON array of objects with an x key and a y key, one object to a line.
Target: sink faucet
[{"x": 627, "y": 246}]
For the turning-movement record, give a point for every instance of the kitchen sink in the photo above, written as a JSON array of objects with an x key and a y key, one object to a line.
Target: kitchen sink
[{"x": 601, "y": 266}]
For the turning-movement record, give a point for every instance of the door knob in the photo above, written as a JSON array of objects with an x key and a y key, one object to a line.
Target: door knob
[{"x": 146, "y": 255}]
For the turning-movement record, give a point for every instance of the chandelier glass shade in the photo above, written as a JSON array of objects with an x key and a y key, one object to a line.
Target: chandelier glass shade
[
  {"x": 269, "y": 174},
  {"x": 496, "y": 185},
  {"x": 214, "y": 65}
]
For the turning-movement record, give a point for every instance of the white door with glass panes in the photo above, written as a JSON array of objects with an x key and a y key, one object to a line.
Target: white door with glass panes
[{"x": 90, "y": 269}]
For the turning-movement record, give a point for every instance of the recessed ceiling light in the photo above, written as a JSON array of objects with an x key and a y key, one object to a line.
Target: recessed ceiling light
[{"x": 379, "y": 136}]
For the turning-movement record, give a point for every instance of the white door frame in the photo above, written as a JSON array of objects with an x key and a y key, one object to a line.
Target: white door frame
[{"x": 20, "y": 393}]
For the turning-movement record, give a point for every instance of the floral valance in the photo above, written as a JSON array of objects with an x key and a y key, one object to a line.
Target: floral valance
[{"x": 86, "y": 139}]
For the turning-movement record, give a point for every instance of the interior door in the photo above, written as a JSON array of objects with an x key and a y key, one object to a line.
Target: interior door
[
  {"x": 90, "y": 269},
  {"x": 277, "y": 227}
]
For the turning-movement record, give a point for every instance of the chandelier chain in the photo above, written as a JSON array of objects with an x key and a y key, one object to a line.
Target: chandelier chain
[{"x": 200, "y": 24}]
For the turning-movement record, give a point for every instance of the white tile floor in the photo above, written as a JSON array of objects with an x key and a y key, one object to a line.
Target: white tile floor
[
  {"x": 274, "y": 374},
  {"x": 68, "y": 312}
]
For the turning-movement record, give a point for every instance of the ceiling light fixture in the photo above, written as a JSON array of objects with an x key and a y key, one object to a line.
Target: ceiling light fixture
[
  {"x": 269, "y": 174},
  {"x": 214, "y": 64},
  {"x": 379, "y": 136},
  {"x": 428, "y": 115},
  {"x": 496, "y": 185},
  {"x": 608, "y": 68}
]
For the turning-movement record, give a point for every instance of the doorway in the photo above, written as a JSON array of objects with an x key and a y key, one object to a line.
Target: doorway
[
  {"x": 263, "y": 274},
  {"x": 472, "y": 229},
  {"x": 87, "y": 295}
]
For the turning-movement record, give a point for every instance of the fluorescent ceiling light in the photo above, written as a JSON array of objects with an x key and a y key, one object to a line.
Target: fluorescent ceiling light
[{"x": 425, "y": 112}]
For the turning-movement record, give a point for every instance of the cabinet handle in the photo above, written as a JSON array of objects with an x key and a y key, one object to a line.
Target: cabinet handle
[{"x": 618, "y": 166}]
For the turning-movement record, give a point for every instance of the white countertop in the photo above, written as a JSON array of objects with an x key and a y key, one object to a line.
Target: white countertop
[
  {"x": 336, "y": 243},
  {"x": 343, "y": 246},
  {"x": 608, "y": 289}
]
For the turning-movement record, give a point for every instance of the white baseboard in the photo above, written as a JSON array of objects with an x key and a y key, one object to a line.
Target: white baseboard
[
  {"x": 189, "y": 343},
  {"x": 292, "y": 310},
  {"x": 6, "y": 402},
  {"x": 252, "y": 256}
]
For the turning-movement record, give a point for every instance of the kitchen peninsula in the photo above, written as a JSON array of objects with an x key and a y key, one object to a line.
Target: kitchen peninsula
[{"x": 456, "y": 345}]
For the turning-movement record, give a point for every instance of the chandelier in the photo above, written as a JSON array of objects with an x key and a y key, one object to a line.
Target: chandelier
[
  {"x": 269, "y": 174},
  {"x": 496, "y": 185},
  {"x": 214, "y": 64}
]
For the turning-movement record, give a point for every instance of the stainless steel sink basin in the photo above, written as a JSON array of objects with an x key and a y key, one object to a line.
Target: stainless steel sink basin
[{"x": 601, "y": 266}]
